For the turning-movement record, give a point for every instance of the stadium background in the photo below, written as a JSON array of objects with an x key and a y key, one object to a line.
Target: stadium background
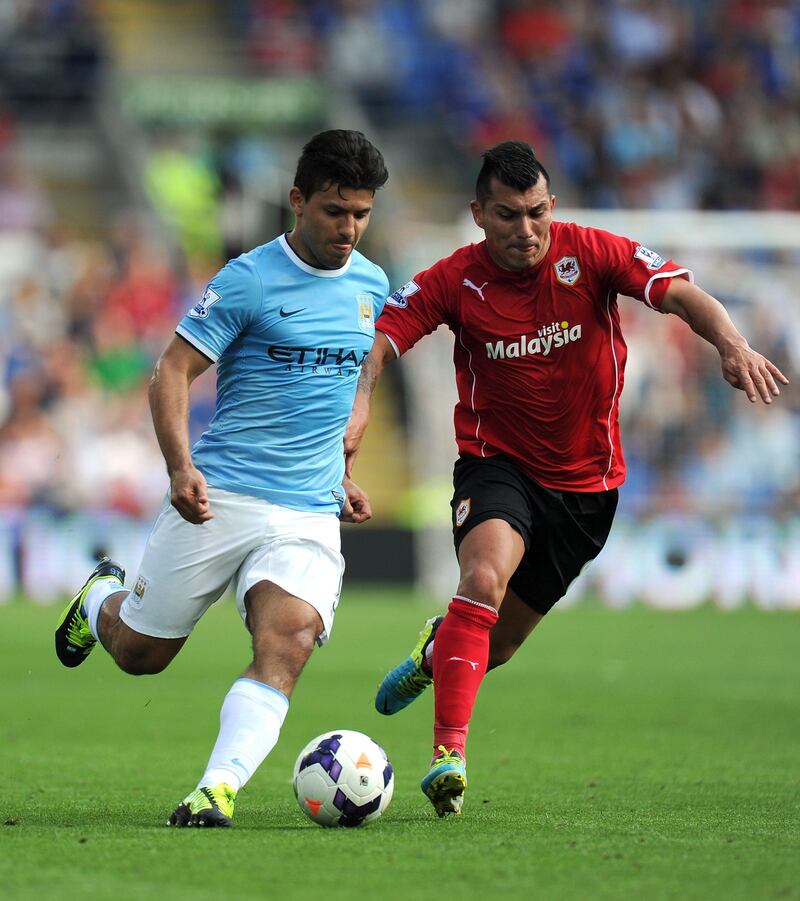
[
  {"x": 143, "y": 143},
  {"x": 634, "y": 754}
]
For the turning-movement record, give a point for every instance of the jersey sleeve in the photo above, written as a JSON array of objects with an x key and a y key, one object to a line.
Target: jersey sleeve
[
  {"x": 415, "y": 310},
  {"x": 380, "y": 298},
  {"x": 230, "y": 303},
  {"x": 635, "y": 270}
]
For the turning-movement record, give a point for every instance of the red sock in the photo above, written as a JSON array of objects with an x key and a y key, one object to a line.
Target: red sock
[{"x": 460, "y": 657}]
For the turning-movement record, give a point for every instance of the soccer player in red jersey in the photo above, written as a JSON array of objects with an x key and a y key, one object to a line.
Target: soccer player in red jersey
[{"x": 539, "y": 362}]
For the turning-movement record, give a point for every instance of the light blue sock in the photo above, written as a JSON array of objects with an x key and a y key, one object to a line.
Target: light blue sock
[
  {"x": 95, "y": 598},
  {"x": 250, "y": 722}
]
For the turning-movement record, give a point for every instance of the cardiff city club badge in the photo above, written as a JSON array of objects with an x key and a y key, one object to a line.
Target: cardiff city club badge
[
  {"x": 366, "y": 319},
  {"x": 567, "y": 270},
  {"x": 462, "y": 511}
]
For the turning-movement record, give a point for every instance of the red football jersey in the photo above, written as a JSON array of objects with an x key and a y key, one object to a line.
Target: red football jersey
[{"x": 539, "y": 355}]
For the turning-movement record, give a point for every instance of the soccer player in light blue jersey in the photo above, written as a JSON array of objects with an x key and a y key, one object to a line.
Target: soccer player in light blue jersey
[{"x": 257, "y": 501}]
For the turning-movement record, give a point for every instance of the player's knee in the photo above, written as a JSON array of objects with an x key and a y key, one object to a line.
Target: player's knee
[
  {"x": 481, "y": 581},
  {"x": 303, "y": 639},
  {"x": 295, "y": 640},
  {"x": 290, "y": 637},
  {"x": 280, "y": 657}
]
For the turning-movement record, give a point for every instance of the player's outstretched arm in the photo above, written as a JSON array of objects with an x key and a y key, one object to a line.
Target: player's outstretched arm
[
  {"x": 382, "y": 352},
  {"x": 357, "y": 507},
  {"x": 742, "y": 367},
  {"x": 177, "y": 367}
]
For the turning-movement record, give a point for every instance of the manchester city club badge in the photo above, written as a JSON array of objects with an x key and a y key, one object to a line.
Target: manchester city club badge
[
  {"x": 462, "y": 511},
  {"x": 136, "y": 597},
  {"x": 366, "y": 319}
]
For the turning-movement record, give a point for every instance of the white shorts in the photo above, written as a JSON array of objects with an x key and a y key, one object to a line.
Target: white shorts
[{"x": 187, "y": 567}]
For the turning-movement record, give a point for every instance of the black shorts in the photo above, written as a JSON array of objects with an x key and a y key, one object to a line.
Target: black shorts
[{"x": 562, "y": 530}]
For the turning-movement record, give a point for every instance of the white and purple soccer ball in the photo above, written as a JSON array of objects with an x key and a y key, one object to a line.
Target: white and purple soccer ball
[{"x": 343, "y": 778}]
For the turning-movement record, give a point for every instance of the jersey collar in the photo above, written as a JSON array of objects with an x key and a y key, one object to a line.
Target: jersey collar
[{"x": 320, "y": 273}]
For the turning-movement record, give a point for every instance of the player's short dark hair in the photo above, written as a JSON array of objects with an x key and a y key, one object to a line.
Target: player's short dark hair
[
  {"x": 514, "y": 164},
  {"x": 340, "y": 157}
]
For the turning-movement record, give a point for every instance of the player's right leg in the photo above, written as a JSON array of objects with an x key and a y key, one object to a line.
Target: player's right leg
[
  {"x": 185, "y": 568},
  {"x": 409, "y": 679},
  {"x": 75, "y": 636},
  {"x": 94, "y": 615},
  {"x": 514, "y": 624}
]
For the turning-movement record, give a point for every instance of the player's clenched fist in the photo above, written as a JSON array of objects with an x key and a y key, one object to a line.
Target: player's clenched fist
[
  {"x": 357, "y": 507},
  {"x": 189, "y": 496}
]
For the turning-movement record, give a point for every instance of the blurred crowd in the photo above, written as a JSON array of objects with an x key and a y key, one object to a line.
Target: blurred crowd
[
  {"x": 50, "y": 55},
  {"x": 81, "y": 324},
  {"x": 635, "y": 103},
  {"x": 639, "y": 104},
  {"x": 693, "y": 444}
]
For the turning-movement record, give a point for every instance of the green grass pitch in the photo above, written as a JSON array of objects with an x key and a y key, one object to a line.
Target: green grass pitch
[{"x": 620, "y": 755}]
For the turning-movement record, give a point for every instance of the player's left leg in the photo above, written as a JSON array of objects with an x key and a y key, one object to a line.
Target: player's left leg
[
  {"x": 488, "y": 556},
  {"x": 407, "y": 681},
  {"x": 287, "y": 591},
  {"x": 284, "y": 630}
]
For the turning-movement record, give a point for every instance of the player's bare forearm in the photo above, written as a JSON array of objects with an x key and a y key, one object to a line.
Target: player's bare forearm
[
  {"x": 704, "y": 314},
  {"x": 382, "y": 352},
  {"x": 169, "y": 407},
  {"x": 742, "y": 367},
  {"x": 175, "y": 370}
]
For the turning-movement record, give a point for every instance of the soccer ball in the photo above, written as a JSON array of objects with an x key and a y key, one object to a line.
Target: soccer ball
[{"x": 343, "y": 778}]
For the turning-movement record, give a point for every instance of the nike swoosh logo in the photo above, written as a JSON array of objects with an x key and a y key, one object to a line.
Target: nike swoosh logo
[{"x": 286, "y": 313}]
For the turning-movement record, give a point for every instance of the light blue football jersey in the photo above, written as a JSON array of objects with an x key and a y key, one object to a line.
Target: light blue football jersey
[{"x": 288, "y": 341}]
